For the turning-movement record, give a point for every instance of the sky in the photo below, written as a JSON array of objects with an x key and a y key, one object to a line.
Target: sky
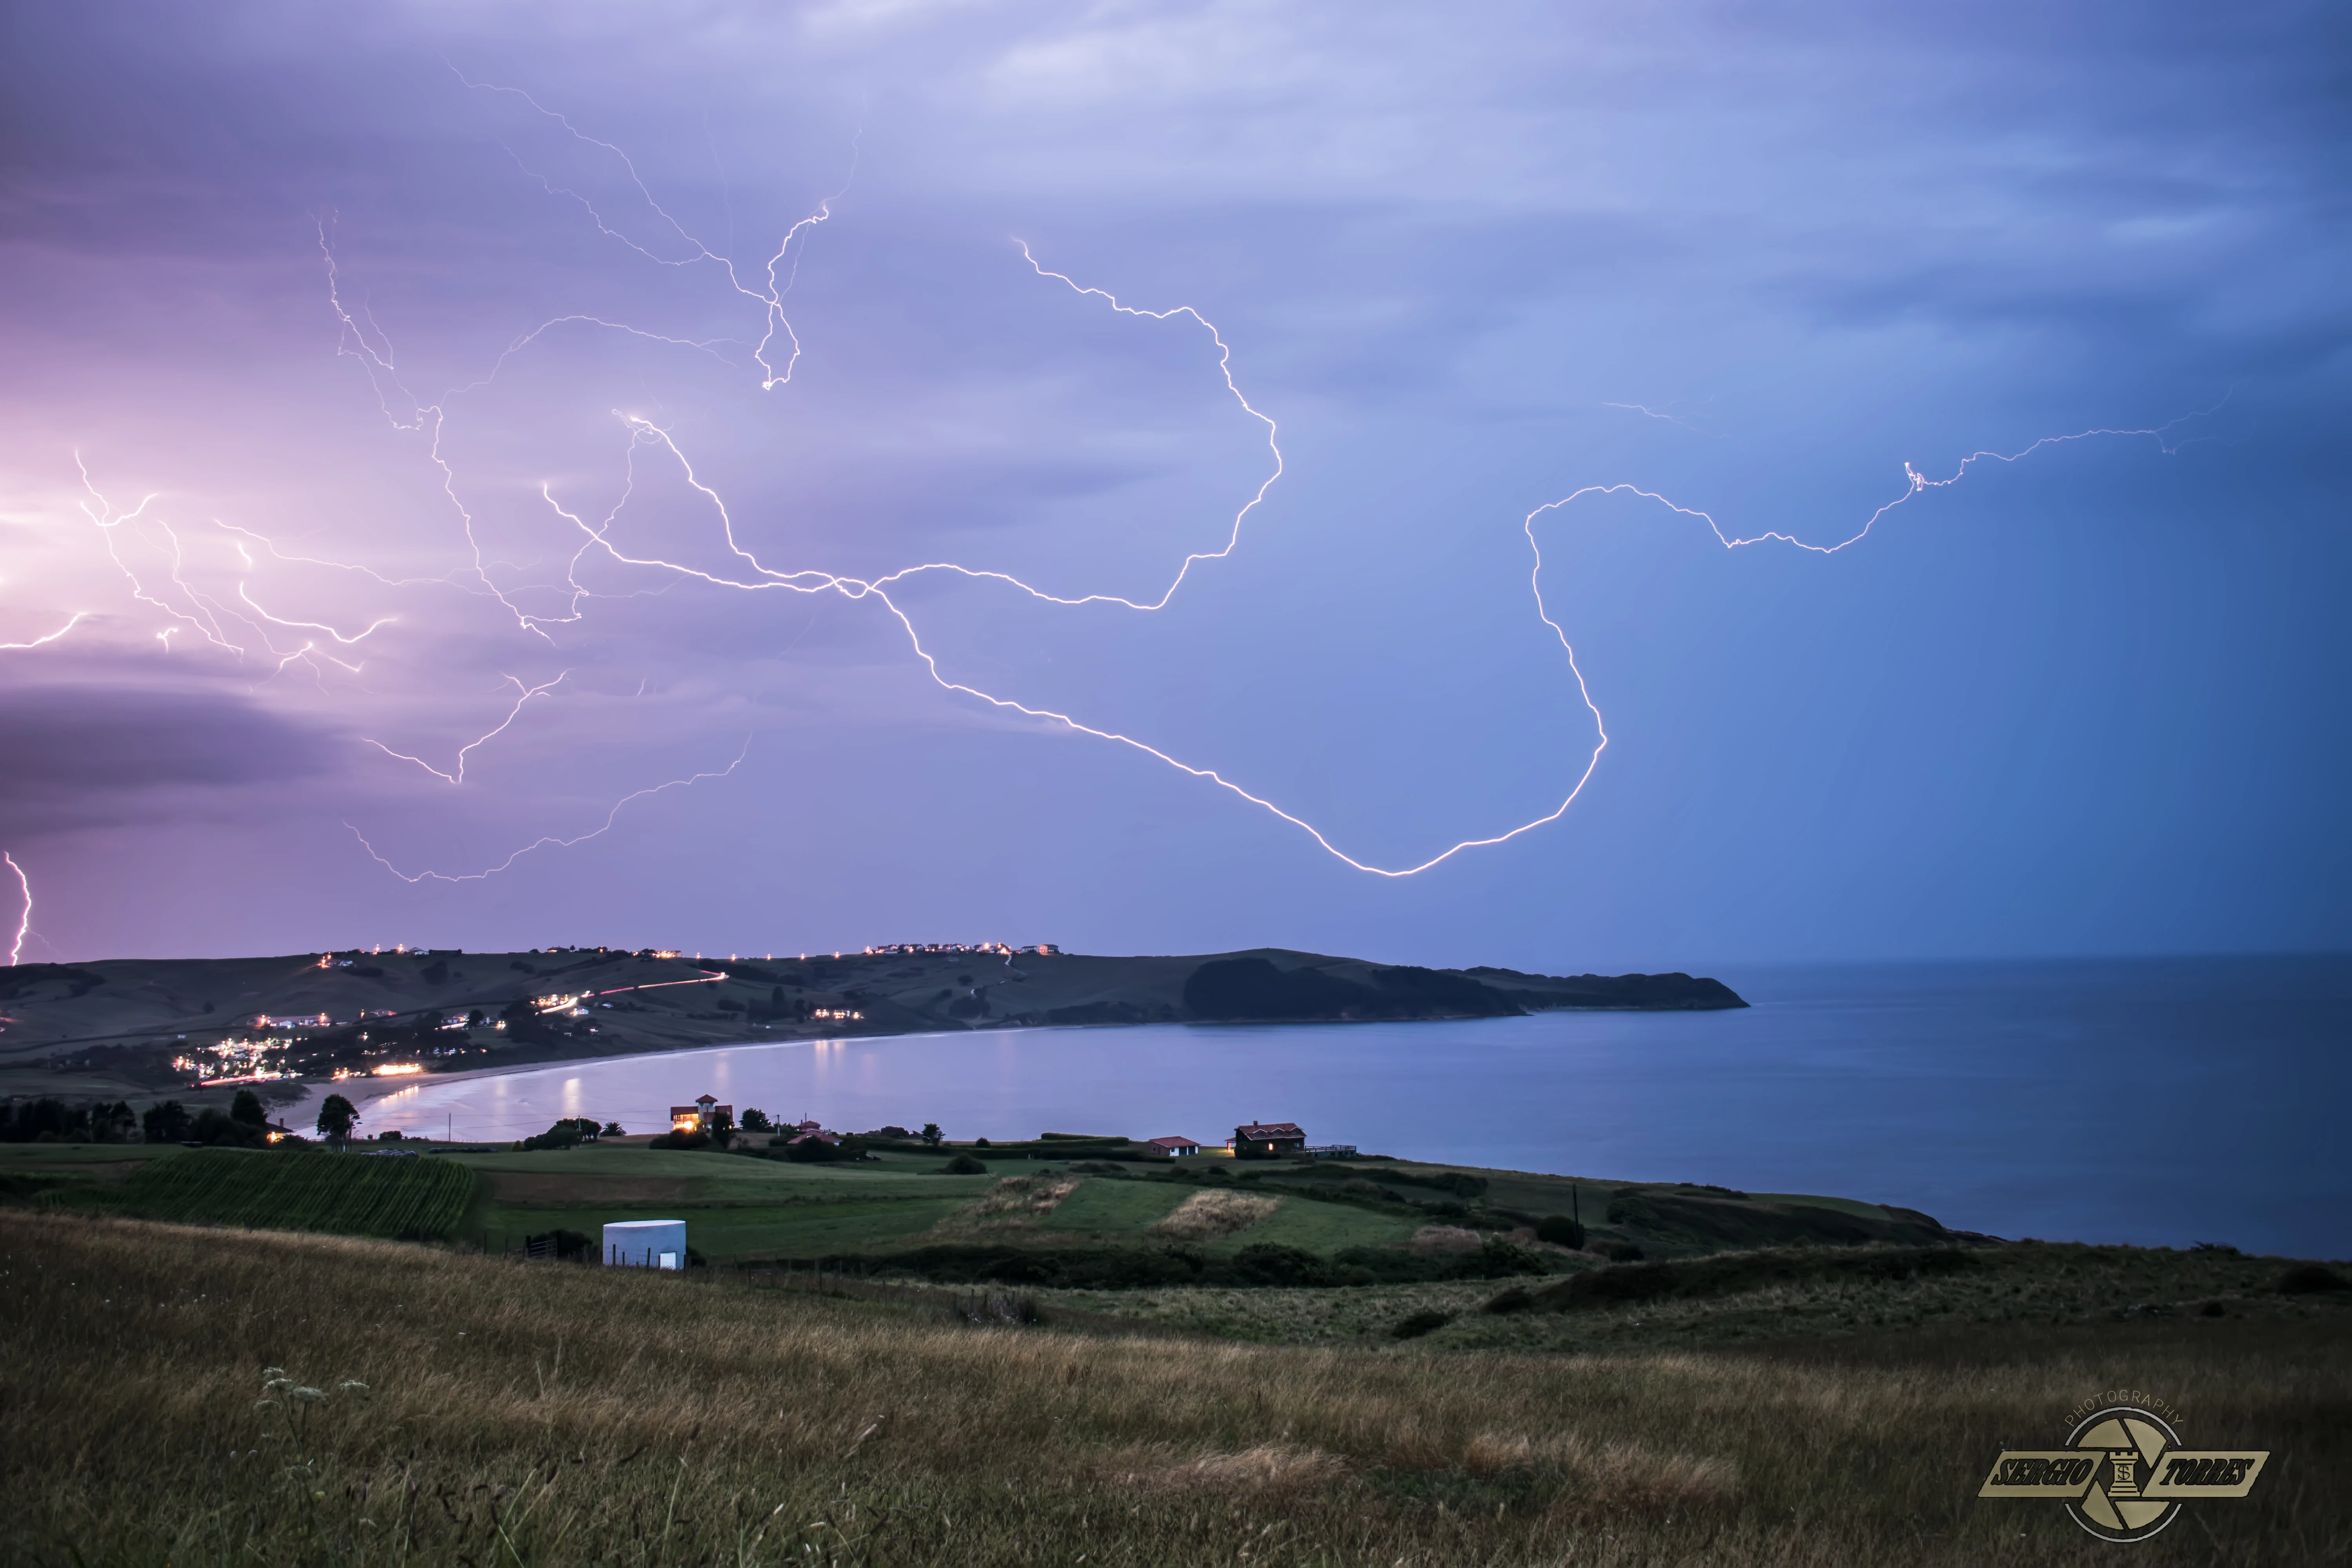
[{"x": 1839, "y": 482}]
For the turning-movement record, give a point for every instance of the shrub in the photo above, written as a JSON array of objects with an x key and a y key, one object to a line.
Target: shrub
[
  {"x": 1419, "y": 1323},
  {"x": 1559, "y": 1230},
  {"x": 2305, "y": 1279},
  {"x": 963, "y": 1165},
  {"x": 1497, "y": 1258},
  {"x": 1266, "y": 1263}
]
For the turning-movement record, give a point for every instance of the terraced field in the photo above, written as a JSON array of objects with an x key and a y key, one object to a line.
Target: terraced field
[{"x": 348, "y": 1195}]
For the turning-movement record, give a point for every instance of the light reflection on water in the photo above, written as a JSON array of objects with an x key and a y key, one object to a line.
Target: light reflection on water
[{"x": 2153, "y": 1101}]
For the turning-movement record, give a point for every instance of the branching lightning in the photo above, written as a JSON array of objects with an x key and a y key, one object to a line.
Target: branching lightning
[
  {"x": 190, "y": 608},
  {"x": 765, "y": 286},
  {"x": 643, "y": 432},
  {"x": 524, "y": 695},
  {"x": 549, "y": 841}
]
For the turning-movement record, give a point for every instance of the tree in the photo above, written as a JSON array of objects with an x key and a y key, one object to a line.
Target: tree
[
  {"x": 932, "y": 1134},
  {"x": 217, "y": 1126},
  {"x": 337, "y": 1118},
  {"x": 613, "y": 1130},
  {"x": 245, "y": 1110},
  {"x": 756, "y": 1120},
  {"x": 524, "y": 1024},
  {"x": 166, "y": 1122}
]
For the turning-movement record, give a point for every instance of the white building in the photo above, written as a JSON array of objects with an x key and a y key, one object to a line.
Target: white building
[{"x": 646, "y": 1244}]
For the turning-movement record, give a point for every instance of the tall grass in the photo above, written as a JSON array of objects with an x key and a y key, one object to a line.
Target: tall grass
[
  {"x": 551, "y": 1414},
  {"x": 1204, "y": 1217},
  {"x": 1012, "y": 1202}
]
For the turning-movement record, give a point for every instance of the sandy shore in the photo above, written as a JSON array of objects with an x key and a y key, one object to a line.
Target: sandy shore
[{"x": 299, "y": 1113}]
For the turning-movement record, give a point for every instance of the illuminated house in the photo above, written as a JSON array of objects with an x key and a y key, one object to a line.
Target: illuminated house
[
  {"x": 697, "y": 1117},
  {"x": 1269, "y": 1138}
]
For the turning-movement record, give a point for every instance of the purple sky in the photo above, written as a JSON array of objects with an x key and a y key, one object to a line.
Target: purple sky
[{"x": 421, "y": 356}]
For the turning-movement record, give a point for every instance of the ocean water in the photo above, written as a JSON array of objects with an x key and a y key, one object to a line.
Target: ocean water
[{"x": 2159, "y": 1101}]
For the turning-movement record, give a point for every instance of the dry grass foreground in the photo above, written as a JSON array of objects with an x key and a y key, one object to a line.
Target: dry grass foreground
[
  {"x": 1204, "y": 1217},
  {"x": 551, "y": 1414}
]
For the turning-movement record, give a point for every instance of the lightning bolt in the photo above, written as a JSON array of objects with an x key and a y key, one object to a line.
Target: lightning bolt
[
  {"x": 643, "y": 432},
  {"x": 765, "y": 286},
  {"x": 25, "y": 920},
  {"x": 204, "y": 613},
  {"x": 78, "y": 616},
  {"x": 1917, "y": 484},
  {"x": 526, "y": 694},
  {"x": 548, "y": 840}
]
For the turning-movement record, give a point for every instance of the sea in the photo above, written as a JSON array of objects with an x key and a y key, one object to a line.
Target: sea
[{"x": 2161, "y": 1102}]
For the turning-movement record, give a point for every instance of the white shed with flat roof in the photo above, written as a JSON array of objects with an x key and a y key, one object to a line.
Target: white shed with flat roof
[{"x": 646, "y": 1244}]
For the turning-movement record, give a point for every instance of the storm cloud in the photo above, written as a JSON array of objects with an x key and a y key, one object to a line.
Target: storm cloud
[
  {"x": 408, "y": 376},
  {"x": 79, "y": 755}
]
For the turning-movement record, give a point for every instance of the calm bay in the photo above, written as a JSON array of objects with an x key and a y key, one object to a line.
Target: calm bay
[{"x": 2155, "y": 1101}]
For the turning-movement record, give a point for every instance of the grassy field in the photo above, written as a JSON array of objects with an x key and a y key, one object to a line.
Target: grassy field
[
  {"x": 348, "y": 1195},
  {"x": 742, "y": 1209},
  {"x": 517, "y": 1414}
]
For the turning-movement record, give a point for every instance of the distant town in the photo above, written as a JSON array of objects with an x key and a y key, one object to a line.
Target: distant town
[{"x": 122, "y": 1028}]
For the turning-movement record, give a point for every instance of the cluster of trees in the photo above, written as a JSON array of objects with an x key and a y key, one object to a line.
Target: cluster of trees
[
  {"x": 243, "y": 1125},
  {"x": 50, "y": 1120},
  {"x": 571, "y": 1132}
]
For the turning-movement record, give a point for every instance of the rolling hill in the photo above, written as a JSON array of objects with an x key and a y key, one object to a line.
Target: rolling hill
[{"x": 142, "y": 1026}]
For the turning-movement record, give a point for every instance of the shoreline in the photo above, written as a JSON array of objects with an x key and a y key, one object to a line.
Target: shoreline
[{"x": 376, "y": 1088}]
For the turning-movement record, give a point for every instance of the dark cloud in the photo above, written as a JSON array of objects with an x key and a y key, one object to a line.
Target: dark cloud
[{"x": 74, "y": 754}]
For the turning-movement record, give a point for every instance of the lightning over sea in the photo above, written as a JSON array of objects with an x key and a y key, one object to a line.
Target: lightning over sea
[{"x": 151, "y": 554}]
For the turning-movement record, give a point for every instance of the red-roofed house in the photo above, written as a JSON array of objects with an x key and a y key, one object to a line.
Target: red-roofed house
[
  {"x": 697, "y": 1117},
  {"x": 1173, "y": 1148},
  {"x": 1269, "y": 1138}
]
